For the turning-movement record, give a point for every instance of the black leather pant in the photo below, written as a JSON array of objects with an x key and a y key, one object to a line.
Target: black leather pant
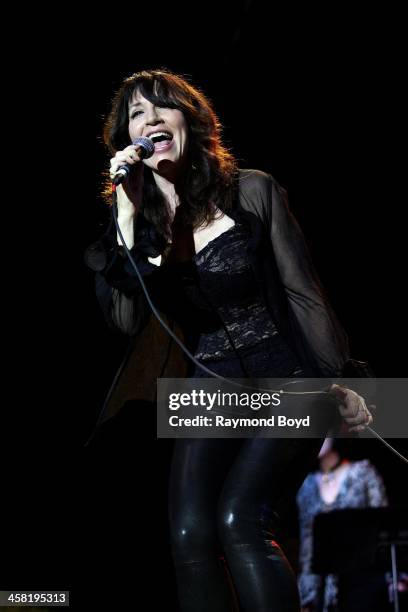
[{"x": 225, "y": 496}]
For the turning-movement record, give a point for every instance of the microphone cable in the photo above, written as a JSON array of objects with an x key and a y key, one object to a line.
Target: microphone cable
[{"x": 194, "y": 360}]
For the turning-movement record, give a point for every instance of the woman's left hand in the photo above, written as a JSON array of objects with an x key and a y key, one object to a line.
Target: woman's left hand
[{"x": 352, "y": 408}]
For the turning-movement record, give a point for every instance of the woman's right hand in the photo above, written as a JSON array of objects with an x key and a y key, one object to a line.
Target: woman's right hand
[{"x": 129, "y": 192}]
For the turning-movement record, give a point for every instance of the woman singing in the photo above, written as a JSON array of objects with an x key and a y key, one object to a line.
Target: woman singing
[{"x": 226, "y": 264}]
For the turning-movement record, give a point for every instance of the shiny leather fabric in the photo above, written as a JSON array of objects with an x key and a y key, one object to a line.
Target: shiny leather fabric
[{"x": 225, "y": 498}]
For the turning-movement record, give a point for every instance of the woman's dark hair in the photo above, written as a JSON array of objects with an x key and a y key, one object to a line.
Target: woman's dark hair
[
  {"x": 211, "y": 170},
  {"x": 343, "y": 447}
]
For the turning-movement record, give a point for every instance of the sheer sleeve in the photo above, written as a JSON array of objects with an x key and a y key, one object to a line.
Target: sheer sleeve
[
  {"x": 312, "y": 316},
  {"x": 127, "y": 314},
  {"x": 117, "y": 286},
  {"x": 319, "y": 337}
]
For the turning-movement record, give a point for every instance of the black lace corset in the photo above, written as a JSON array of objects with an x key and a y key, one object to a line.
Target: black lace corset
[{"x": 227, "y": 285}]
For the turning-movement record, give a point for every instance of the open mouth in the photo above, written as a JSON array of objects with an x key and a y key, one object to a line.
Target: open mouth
[{"x": 161, "y": 139}]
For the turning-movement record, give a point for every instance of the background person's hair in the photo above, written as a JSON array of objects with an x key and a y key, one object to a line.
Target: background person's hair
[
  {"x": 345, "y": 447},
  {"x": 210, "y": 176}
]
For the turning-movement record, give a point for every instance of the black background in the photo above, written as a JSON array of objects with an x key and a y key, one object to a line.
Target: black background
[{"x": 315, "y": 99}]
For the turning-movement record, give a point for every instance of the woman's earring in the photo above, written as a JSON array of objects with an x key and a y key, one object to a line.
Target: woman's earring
[{"x": 193, "y": 167}]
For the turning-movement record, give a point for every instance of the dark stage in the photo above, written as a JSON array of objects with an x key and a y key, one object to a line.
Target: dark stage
[{"x": 317, "y": 106}]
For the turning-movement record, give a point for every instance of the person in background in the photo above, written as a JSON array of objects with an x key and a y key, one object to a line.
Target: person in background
[{"x": 337, "y": 484}]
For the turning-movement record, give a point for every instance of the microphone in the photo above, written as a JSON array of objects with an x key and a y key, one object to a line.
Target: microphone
[{"x": 145, "y": 149}]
